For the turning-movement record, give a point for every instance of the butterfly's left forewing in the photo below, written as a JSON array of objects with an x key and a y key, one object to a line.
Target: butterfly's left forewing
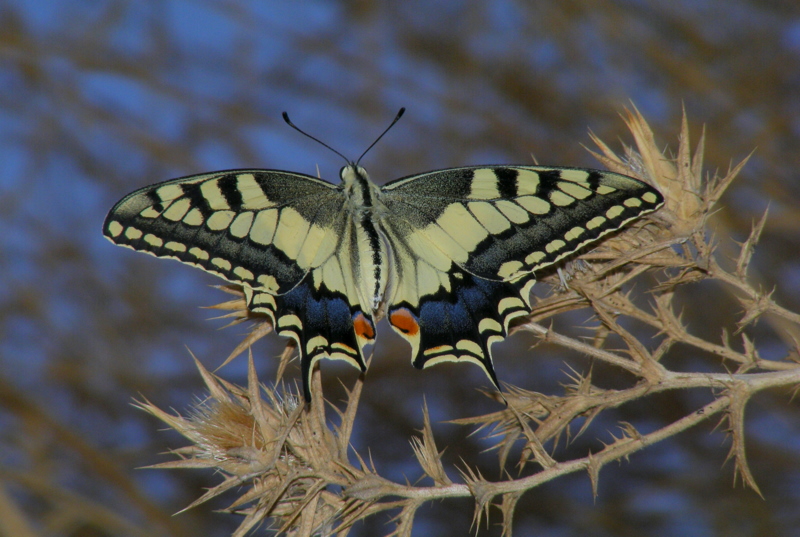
[
  {"x": 255, "y": 227},
  {"x": 470, "y": 240}
]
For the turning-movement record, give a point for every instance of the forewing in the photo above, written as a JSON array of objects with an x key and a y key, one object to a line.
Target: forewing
[
  {"x": 262, "y": 229},
  {"x": 501, "y": 222}
]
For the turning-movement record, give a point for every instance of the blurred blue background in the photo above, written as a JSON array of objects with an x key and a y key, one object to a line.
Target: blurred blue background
[{"x": 98, "y": 98}]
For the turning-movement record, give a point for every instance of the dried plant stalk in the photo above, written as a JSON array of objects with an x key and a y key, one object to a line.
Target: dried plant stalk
[{"x": 287, "y": 458}]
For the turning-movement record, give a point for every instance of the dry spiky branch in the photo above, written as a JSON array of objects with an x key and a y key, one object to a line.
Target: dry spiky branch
[{"x": 287, "y": 458}]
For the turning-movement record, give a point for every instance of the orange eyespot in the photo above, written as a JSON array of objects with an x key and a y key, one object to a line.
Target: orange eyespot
[
  {"x": 405, "y": 321},
  {"x": 363, "y": 326}
]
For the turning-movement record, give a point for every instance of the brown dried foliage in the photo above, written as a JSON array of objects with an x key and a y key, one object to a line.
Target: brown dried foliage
[{"x": 296, "y": 469}]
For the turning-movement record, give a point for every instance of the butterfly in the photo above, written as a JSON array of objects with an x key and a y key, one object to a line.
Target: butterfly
[{"x": 449, "y": 257}]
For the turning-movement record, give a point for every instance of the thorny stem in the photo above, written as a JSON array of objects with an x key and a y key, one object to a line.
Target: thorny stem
[
  {"x": 303, "y": 455},
  {"x": 673, "y": 329},
  {"x": 754, "y": 383},
  {"x": 551, "y": 336},
  {"x": 728, "y": 278}
]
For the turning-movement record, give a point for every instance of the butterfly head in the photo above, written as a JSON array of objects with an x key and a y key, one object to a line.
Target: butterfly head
[
  {"x": 362, "y": 193},
  {"x": 353, "y": 174}
]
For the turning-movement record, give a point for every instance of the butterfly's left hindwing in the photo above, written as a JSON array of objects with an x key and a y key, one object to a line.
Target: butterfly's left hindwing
[{"x": 322, "y": 323}]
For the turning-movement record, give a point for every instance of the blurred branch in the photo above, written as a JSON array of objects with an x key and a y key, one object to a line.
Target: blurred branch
[{"x": 69, "y": 505}]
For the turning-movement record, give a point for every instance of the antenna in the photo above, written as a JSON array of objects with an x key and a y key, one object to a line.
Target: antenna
[
  {"x": 304, "y": 133},
  {"x": 395, "y": 120}
]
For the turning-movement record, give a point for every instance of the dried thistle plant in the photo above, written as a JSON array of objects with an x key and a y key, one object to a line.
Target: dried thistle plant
[{"x": 295, "y": 469}]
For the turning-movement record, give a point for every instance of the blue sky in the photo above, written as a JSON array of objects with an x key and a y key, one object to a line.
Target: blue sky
[{"x": 98, "y": 98}]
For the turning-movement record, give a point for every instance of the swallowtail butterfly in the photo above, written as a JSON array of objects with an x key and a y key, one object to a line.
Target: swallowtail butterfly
[{"x": 448, "y": 256}]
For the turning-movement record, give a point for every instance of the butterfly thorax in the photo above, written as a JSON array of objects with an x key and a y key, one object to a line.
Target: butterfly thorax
[{"x": 371, "y": 252}]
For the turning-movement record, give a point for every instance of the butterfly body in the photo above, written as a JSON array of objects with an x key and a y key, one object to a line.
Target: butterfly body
[{"x": 448, "y": 256}]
